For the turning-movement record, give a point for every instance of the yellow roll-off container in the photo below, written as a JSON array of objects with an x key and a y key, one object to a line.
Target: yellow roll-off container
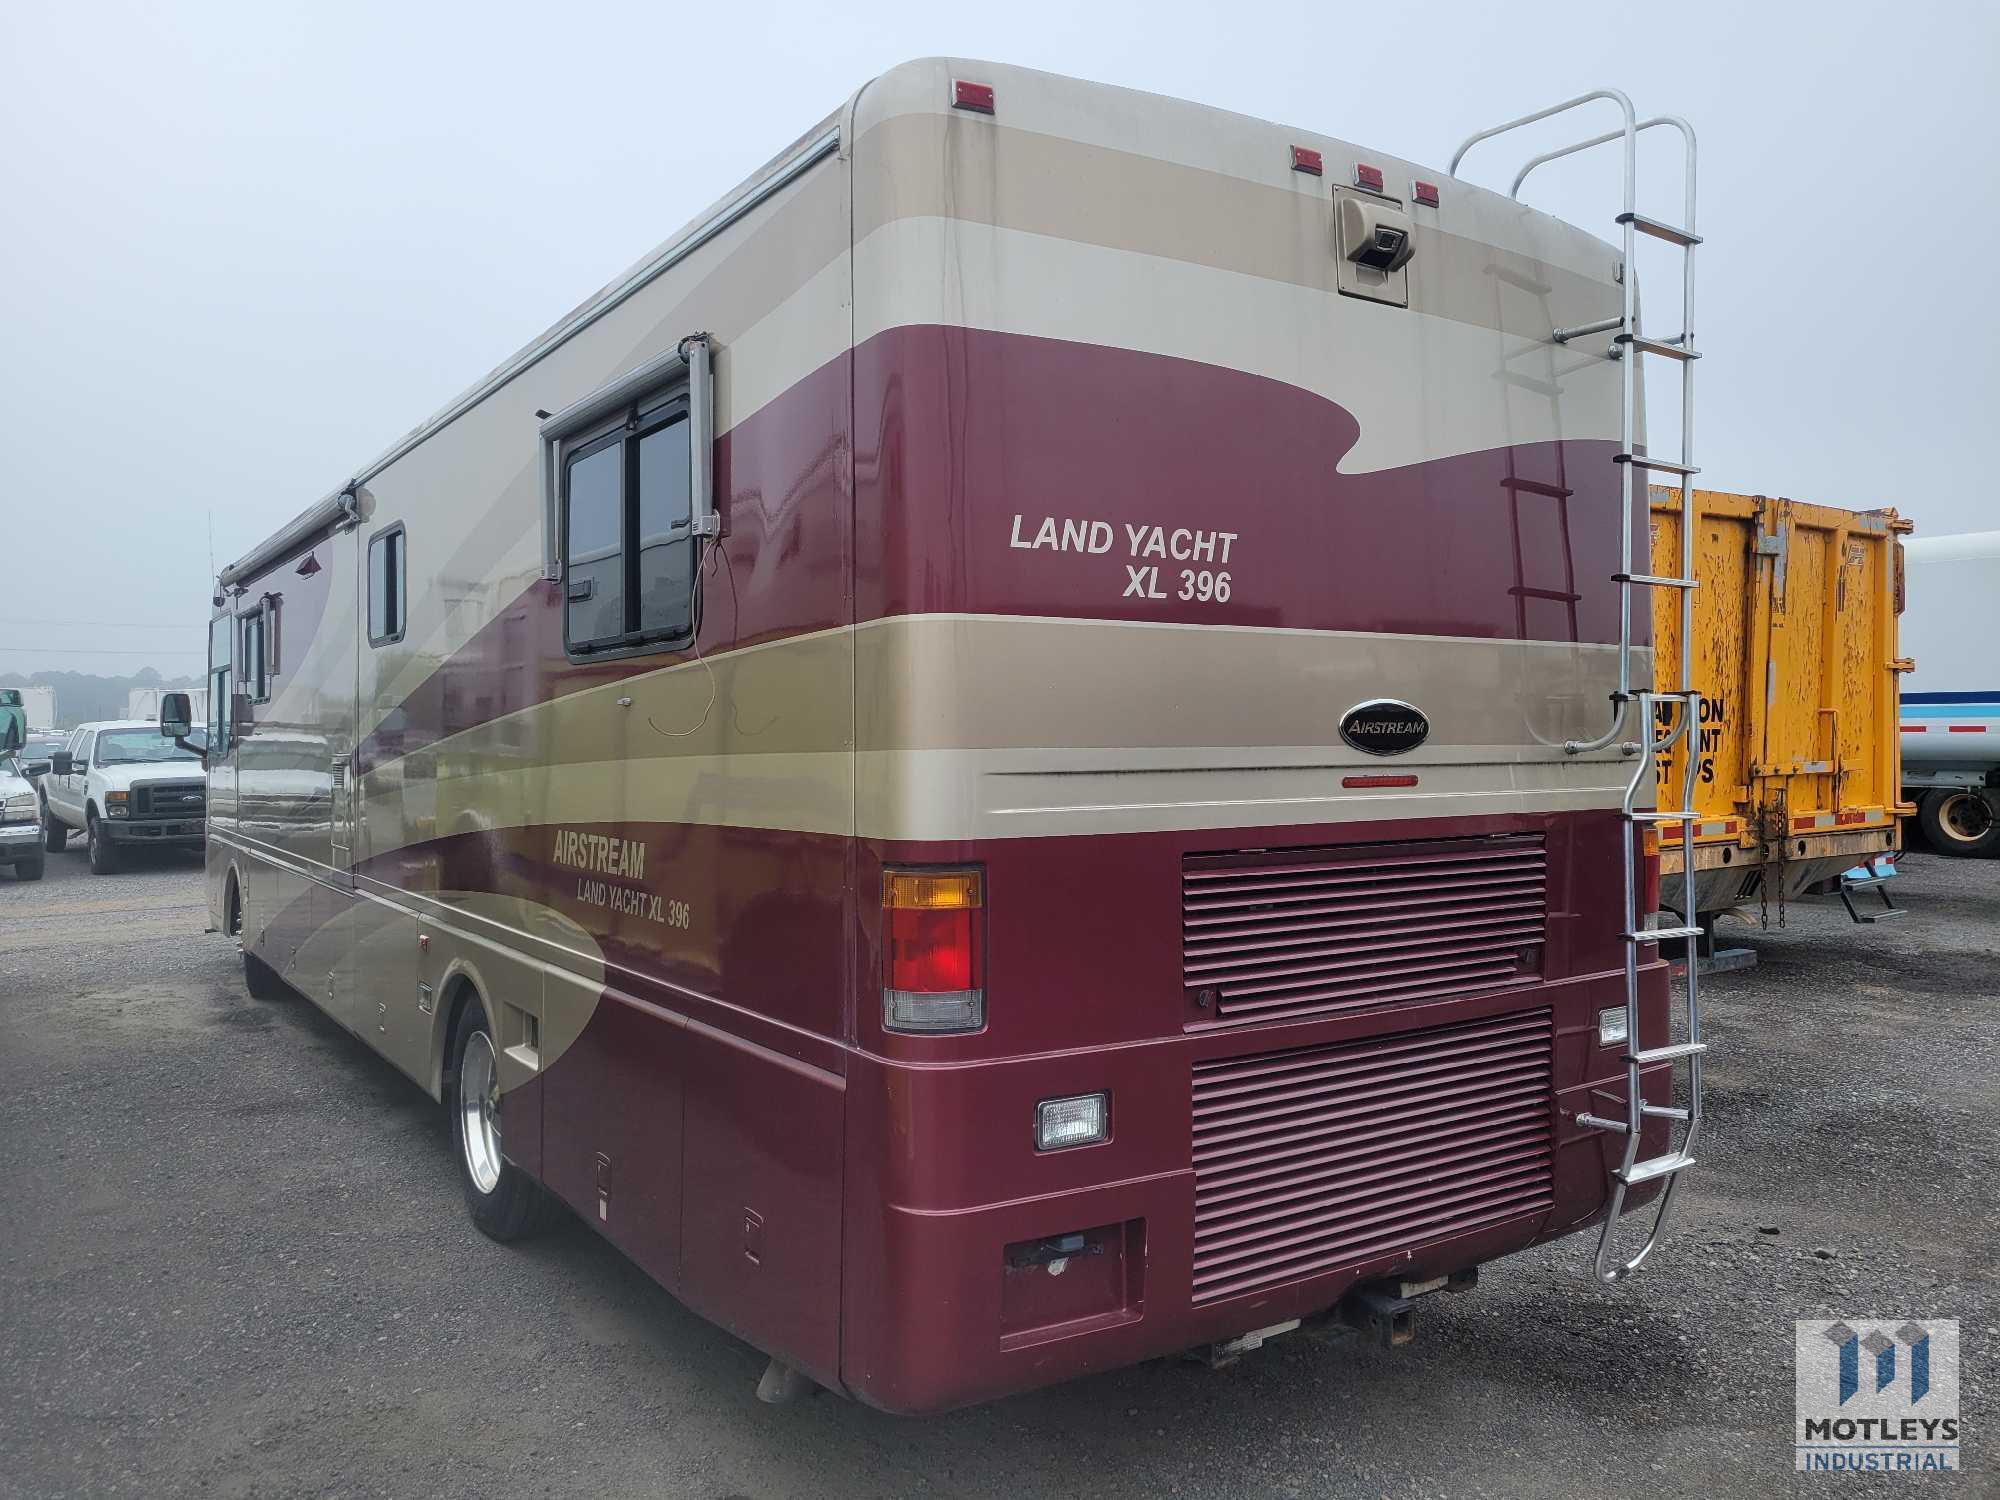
[{"x": 1799, "y": 767}]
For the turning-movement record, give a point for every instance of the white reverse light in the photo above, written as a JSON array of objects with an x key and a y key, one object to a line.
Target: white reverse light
[
  {"x": 1611, "y": 1026},
  {"x": 1082, "y": 1120}
]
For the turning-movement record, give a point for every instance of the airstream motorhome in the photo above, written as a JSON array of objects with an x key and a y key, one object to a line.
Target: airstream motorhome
[{"x": 1030, "y": 747}]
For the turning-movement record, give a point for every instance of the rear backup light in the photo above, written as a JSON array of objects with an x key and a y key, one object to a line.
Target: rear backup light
[
  {"x": 977, "y": 97},
  {"x": 1368, "y": 177},
  {"x": 933, "y": 953},
  {"x": 1082, "y": 1120}
]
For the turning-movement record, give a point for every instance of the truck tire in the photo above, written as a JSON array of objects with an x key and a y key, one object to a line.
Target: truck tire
[
  {"x": 55, "y": 832},
  {"x": 1961, "y": 820},
  {"x": 505, "y": 1202},
  {"x": 30, "y": 869},
  {"x": 104, "y": 858}
]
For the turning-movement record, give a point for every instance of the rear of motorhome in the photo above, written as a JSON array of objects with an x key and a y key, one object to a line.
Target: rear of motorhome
[{"x": 1017, "y": 753}]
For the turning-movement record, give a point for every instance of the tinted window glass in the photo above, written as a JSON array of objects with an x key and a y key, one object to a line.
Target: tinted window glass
[
  {"x": 125, "y": 747},
  {"x": 666, "y": 549},
  {"x": 386, "y": 576},
  {"x": 595, "y": 580}
]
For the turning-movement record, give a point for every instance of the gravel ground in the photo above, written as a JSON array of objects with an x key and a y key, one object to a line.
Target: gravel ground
[{"x": 235, "y": 1263}]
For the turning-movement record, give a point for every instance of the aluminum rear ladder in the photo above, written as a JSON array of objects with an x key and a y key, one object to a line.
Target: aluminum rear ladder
[{"x": 1641, "y": 824}]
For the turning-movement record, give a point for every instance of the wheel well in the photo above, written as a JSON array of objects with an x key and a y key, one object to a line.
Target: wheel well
[
  {"x": 232, "y": 908},
  {"x": 459, "y": 993}
]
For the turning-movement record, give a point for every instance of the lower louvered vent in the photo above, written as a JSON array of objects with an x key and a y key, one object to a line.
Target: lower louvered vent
[{"x": 1315, "y": 1158}]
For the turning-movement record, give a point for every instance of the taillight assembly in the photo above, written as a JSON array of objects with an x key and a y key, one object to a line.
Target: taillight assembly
[
  {"x": 933, "y": 950},
  {"x": 1649, "y": 875}
]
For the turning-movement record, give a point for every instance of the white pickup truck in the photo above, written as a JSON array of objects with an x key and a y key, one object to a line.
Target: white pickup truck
[
  {"x": 20, "y": 832},
  {"x": 123, "y": 785}
]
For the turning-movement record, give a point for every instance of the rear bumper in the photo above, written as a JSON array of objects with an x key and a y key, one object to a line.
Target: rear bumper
[
  {"x": 945, "y": 1301},
  {"x": 1727, "y": 874}
]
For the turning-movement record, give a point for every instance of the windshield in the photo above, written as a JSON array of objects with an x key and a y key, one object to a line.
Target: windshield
[{"x": 125, "y": 747}]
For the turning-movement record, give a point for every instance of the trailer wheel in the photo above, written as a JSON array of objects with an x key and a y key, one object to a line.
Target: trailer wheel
[
  {"x": 103, "y": 853},
  {"x": 505, "y": 1202},
  {"x": 55, "y": 832},
  {"x": 1960, "y": 820}
]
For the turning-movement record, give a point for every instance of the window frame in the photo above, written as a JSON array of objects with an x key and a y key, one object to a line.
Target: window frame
[
  {"x": 652, "y": 392},
  {"x": 648, "y": 413},
  {"x": 401, "y": 596}
]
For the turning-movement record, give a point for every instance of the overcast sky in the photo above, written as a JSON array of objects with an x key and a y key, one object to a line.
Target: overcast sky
[{"x": 247, "y": 245}]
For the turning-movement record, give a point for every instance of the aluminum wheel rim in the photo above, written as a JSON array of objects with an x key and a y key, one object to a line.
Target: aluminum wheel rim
[
  {"x": 1966, "y": 817},
  {"x": 479, "y": 1112}
]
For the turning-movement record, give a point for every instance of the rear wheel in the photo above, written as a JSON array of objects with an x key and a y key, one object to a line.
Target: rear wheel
[
  {"x": 505, "y": 1202},
  {"x": 30, "y": 869},
  {"x": 104, "y": 858},
  {"x": 1961, "y": 820},
  {"x": 55, "y": 832}
]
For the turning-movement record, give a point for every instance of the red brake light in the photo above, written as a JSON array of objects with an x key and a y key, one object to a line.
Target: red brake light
[
  {"x": 933, "y": 950},
  {"x": 977, "y": 97}
]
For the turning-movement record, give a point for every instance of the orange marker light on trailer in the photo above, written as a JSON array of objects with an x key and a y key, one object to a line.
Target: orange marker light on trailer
[{"x": 933, "y": 950}]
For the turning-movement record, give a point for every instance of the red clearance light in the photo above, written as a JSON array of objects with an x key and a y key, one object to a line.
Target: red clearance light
[
  {"x": 1378, "y": 781},
  {"x": 1424, "y": 192},
  {"x": 1368, "y": 177},
  {"x": 933, "y": 952},
  {"x": 1305, "y": 159},
  {"x": 977, "y": 97},
  {"x": 1968, "y": 728}
]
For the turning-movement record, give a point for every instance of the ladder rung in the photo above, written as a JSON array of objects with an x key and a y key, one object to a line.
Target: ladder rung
[
  {"x": 1654, "y": 346},
  {"x": 1655, "y": 815},
  {"x": 1654, "y": 580},
  {"x": 1658, "y": 1166},
  {"x": 1673, "y": 234},
  {"x": 1868, "y": 883},
  {"x": 1664, "y": 1112},
  {"x": 1657, "y": 934},
  {"x": 1672, "y": 1052},
  {"x": 1885, "y": 914},
  {"x": 1661, "y": 465}
]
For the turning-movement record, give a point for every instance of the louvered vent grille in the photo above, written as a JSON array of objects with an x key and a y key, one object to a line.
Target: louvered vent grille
[
  {"x": 1316, "y": 1158},
  {"x": 1308, "y": 932}
]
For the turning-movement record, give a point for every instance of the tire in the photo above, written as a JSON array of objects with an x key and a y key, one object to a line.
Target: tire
[
  {"x": 30, "y": 869},
  {"x": 1961, "y": 820},
  {"x": 505, "y": 1202},
  {"x": 262, "y": 980},
  {"x": 55, "y": 832},
  {"x": 104, "y": 855}
]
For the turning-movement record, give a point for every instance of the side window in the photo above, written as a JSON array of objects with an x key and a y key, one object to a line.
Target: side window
[
  {"x": 628, "y": 539},
  {"x": 388, "y": 575},
  {"x": 219, "y": 658},
  {"x": 256, "y": 673},
  {"x": 84, "y": 745}
]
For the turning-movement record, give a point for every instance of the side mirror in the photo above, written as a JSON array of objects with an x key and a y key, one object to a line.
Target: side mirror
[
  {"x": 176, "y": 717},
  {"x": 62, "y": 763}
]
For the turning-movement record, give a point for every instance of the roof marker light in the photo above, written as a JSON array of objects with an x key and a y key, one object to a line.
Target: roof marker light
[
  {"x": 1368, "y": 177},
  {"x": 1305, "y": 159},
  {"x": 977, "y": 97},
  {"x": 1424, "y": 192}
]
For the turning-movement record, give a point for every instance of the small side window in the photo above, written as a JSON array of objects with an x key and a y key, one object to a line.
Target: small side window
[
  {"x": 388, "y": 574},
  {"x": 219, "y": 658},
  {"x": 256, "y": 673}
]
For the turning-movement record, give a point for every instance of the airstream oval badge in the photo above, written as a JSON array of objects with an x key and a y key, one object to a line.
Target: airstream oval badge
[{"x": 1383, "y": 726}]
